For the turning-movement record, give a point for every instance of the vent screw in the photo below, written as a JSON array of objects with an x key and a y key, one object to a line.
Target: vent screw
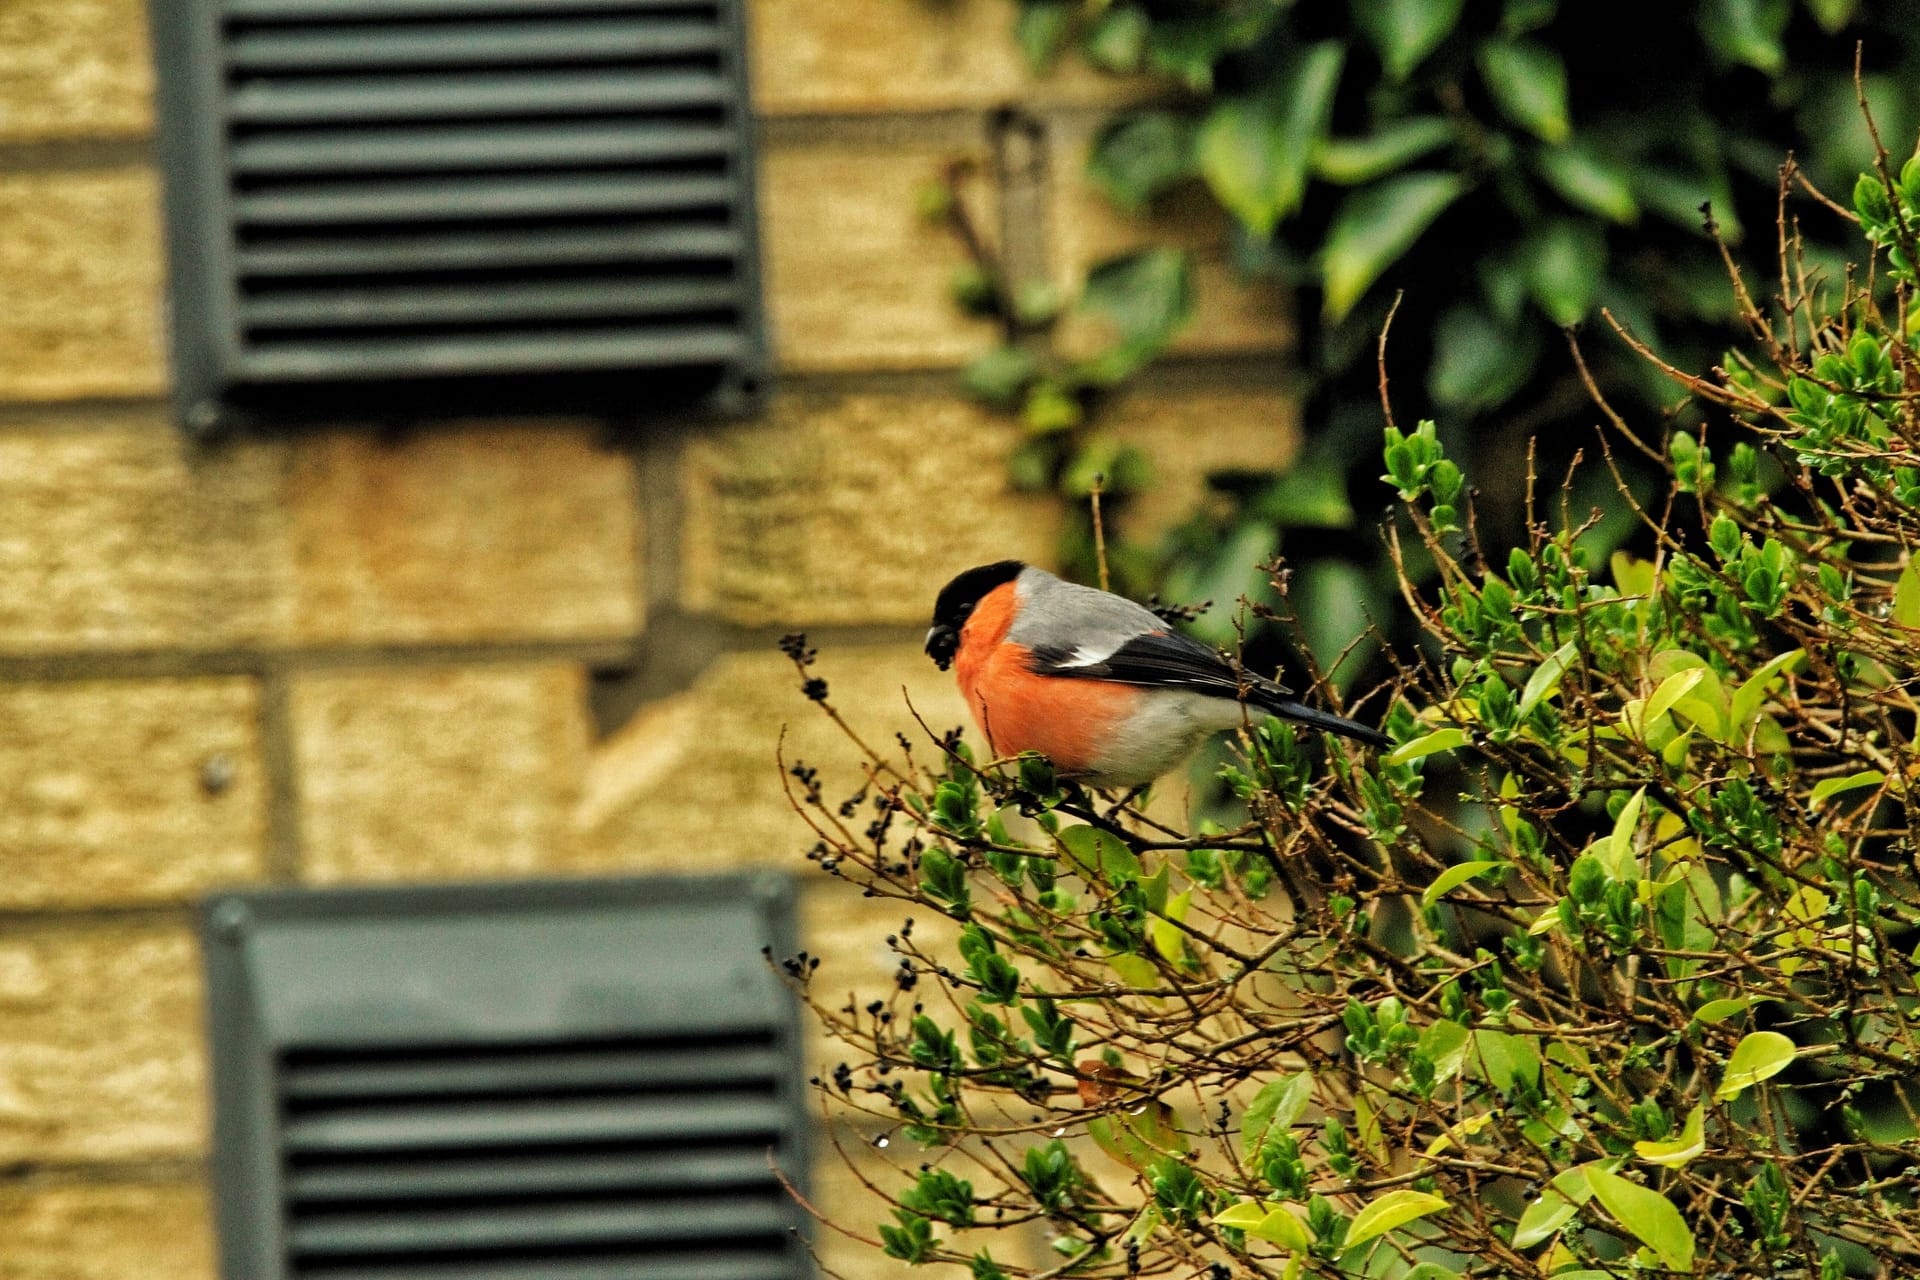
[
  {"x": 203, "y": 416},
  {"x": 231, "y": 920}
]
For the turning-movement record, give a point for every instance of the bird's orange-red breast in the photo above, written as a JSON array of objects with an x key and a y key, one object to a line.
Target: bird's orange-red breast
[{"x": 1019, "y": 710}]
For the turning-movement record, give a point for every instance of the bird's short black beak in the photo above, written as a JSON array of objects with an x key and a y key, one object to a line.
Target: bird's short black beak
[{"x": 941, "y": 643}]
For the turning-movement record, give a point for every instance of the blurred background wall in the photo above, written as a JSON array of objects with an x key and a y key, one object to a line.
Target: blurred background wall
[{"x": 483, "y": 650}]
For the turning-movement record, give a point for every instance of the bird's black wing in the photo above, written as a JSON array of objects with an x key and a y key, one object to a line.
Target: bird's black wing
[
  {"x": 1168, "y": 660},
  {"x": 1160, "y": 660}
]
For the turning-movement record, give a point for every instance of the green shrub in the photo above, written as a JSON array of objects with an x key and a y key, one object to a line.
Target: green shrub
[{"x": 1608, "y": 968}]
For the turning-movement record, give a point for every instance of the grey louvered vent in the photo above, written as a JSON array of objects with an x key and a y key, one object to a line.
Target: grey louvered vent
[
  {"x": 555, "y": 1082},
  {"x": 392, "y": 208}
]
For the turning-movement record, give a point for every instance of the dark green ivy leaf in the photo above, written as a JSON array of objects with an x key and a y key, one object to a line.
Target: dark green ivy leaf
[
  {"x": 1478, "y": 362},
  {"x": 1146, "y": 296},
  {"x": 1590, "y": 181},
  {"x": 1118, "y": 39},
  {"x": 1254, "y": 150},
  {"x": 1528, "y": 81},
  {"x": 1351, "y": 161},
  {"x": 1747, "y": 32},
  {"x": 1374, "y": 227},
  {"x": 1139, "y": 154},
  {"x": 1041, "y": 31},
  {"x": 1404, "y": 32},
  {"x": 1564, "y": 262},
  {"x": 1000, "y": 376}
]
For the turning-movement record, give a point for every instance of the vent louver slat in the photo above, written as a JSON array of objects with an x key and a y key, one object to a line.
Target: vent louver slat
[
  {"x": 416, "y": 151},
  {"x": 347, "y": 47},
  {"x": 374, "y": 256},
  {"x": 317, "y": 100},
  {"x": 432, "y": 194}
]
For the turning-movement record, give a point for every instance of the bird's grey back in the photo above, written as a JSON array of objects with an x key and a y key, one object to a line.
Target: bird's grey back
[{"x": 1063, "y": 615}]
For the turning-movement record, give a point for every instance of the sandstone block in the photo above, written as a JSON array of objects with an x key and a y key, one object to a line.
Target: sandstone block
[
  {"x": 106, "y": 1232},
  {"x": 695, "y": 782},
  {"x": 102, "y": 1058},
  {"x": 80, "y": 282},
  {"x": 74, "y": 69},
  {"x": 855, "y": 278},
  {"x": 479, "y": 534},
  {"x": 125, "y": 538},
  {"x": 129, "y": 791},
  {"x": 438, "y": 773},
  {"x": 1231, "y": 315},
  {"x": 852, "y": 509},
  {"x": 922, "y": 55}
]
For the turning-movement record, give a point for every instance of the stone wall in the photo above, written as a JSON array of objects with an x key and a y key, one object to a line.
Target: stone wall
[{"x": 484, "y": 650}]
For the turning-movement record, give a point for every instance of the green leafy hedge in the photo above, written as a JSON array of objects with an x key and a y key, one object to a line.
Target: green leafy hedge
[{"x": 1610, "y": 967}]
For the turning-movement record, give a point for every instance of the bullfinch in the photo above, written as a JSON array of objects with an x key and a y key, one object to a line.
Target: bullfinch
[{"x": 1099, "y": 685}]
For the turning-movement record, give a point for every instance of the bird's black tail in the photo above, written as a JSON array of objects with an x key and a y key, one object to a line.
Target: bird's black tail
[{"x": 1313, "y": 717}]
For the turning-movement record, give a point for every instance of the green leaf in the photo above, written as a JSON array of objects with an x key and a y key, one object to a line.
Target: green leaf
[
  {"x": 1528, "y": 82},
  {"x": 1478, "y": 363},
  {"x": 1394, "y": 1209},
  {"x": 1146, "y": 297},
  {"x": 1447, "y": 739},
  {"x": 1671, "y": 690},
  {"x": 1118, "y": 39},
  {"x": 1445, "y": 1045},
  {"x": 1143, "y": 295},
  {"x": 1254, "y": 151},
  {"x": 1832, "y": 15},
  {"x": 1589, "y": 181},
  {"x": 1557, "y": 1204},
  {"x": 1243, "y": 1216},
  {"x": 1375, "y": 227},
  {"x": 1747, "y": 699},
  {"x": 1048, "y": 408},
  {"x": 1546, "y": 677},
  {"x": 1906, "y": 596},
  {"x": 1041, "y": 31},
  {"x": 1311, "y": 494},
  {"x": 1273, "y": 1110},
  {"x": 1167, "y": 939},
  {"x": 1000, "y": 375},
  {"x": 1618, "y": 851},
  {"x": 1404, "y": 32},
  {"x": 1281, "y": 1227},
  {"x": 1676, "y": 1152},
  {"x": 1135, "y": 971},
  {"x": 1827, "y": 788},
  {"x": 1718, "y": 1011},
  {"x": 1505, "y": 1058},
  {"x": 1759, "y": 1056},
  {"x": 1351, "y": 161},
  {"x": 1563, "y": 263},
  {"x": 1139, "y": 154},
  {"x": 1647, "y": 1214},
  {"x": 1097, "y": 852},
  {"x": 1455, "y": 876},
  {"x": 1747, "y": 31}
]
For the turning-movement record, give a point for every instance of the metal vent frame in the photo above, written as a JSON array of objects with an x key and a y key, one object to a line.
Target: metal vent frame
[
  {"x": 333, "y": 1014},
  {"x": 630, "y": 287}
]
